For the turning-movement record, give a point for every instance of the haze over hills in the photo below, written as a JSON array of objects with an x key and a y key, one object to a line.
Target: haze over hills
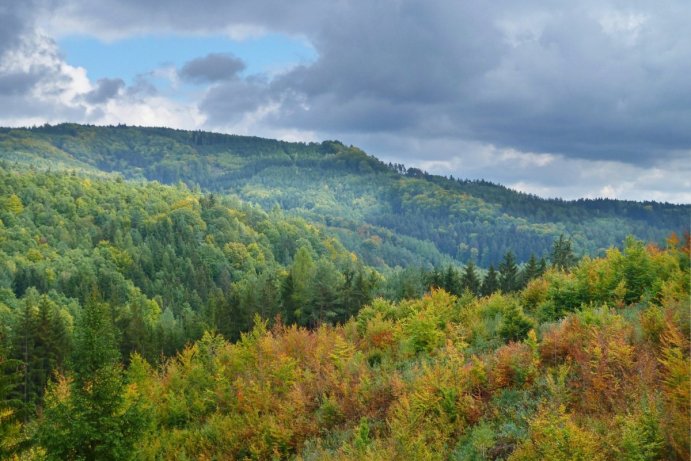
[{"x": 388, "y": 214}]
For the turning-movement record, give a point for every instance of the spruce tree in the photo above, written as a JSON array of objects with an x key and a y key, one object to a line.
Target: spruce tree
[
  {"x": 515, "y": 325},
  {"x": 40, "y": 345},
  {"x": 90, "y": 421},
  {"x": 562, "y": 255},
  {"x": 470, "y": 280},
  {"x": 542, "y": 267},
  {"x": 508, "y": 273},
  {"x": 530, "y": 271},
  {"x": 490, "y": 283},
  {"x": 451, "y": 282}
]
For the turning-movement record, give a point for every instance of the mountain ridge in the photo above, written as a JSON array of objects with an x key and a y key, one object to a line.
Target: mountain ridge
[{"x": 387, "y": 213}]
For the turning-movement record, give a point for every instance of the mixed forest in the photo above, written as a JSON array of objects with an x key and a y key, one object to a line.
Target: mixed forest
[
  {"x": 172, "y": 295},
  {"x": 388, "y": 214}
]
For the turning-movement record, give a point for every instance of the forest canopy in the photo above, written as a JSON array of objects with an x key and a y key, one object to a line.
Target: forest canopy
[
  {"x": 388, "y": 214},
  {"x": 169, "y": 294}
]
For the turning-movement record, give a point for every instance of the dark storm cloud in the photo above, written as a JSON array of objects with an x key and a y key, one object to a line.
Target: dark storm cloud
[
  {"x": 230, "y": 101},
  {"x": 106, "y": 88},
  {"x": 588, "y": 79},
  {"x": 13, "y": 83},
  {"x": 120, "y": 16},
  {"x": 214, "y": 67},
  {"x": 15, "y": 17}
]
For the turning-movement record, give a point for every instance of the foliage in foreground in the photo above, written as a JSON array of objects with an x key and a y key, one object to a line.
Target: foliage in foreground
[{"x": 591, "y": 365}]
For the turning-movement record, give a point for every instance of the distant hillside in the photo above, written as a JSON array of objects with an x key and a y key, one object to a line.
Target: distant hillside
[
  {"x": 388, "y": 214},
  {"x": 168, "y": 257}
]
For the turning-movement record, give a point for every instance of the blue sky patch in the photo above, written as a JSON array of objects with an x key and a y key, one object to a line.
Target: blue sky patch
[{"x": 127, "y": 58}]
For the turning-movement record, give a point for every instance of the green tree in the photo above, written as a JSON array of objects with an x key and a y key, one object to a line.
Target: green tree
[
  {"x": 11, "y": 437},
  {"x": 41, "y": 344},
  {"x": 470, "y": 280},
  {"x": 85, "y": 416},
  {"x": 490, "y": 283},
  {"x": 302, "y": 273},
  {"x": 542, "y": 266},
  {"x": 636, "y": 269},
  {"x": 451, "y": 281},
  {"x": 508, "y": 273},
  {"x": 562, "y": 255},
  {"x": 324, "y": 295},
  {"x": 530, "y": 271},
  {"x": 515, "y": 325}
]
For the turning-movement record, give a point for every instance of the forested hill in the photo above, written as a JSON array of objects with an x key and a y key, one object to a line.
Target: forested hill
[{"x": 388, "y": 214}]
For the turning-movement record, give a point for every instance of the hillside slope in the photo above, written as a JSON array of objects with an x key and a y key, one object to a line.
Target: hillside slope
[
  {"x": 175, "y": 263},
  {"x": 387, "y": 214}
]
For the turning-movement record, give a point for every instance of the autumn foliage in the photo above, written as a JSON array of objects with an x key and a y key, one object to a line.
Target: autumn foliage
[{"x": 604, "y": 376}]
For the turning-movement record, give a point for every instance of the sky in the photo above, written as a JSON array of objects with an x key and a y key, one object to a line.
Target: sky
[{"x": 559, "y": 98}]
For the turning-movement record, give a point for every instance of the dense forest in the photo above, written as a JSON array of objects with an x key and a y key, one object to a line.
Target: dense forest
[
  {"x": 175, "y": 295},
  {"x": 389, "y": 215},
  {"x": 118, "y": 340}
]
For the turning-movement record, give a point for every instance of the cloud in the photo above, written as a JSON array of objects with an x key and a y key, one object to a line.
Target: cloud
[
  {"x": 17, "y": 82},
  {"x": 16, "y": 18},
  {"x": 516, "y": 92},
  {"x": 214, "y": 67},
  {"x": 106, "y": 88},
  {"x": 37, "y": 86},
  {"x": 591, "y": 79}
]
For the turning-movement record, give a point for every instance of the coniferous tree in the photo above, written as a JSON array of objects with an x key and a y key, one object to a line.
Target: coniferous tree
[
  {"x": 288, "y": 306},
  {"x": 451, "y": 282},
  {"x": 515, "y": 325},
  {"x": 434, "y": 279},
  {"x": 324, "y": 303},
  {"x": 23, "y": 348},
  {"x": 357, "y": 290},
  {"x": 40, "y": 344},
  {"x": 508, "y": 273},
  {"x": 85, "y": 416},
  {"x": 470, "y": 280},
  {"x": 542, "y": 266},
  {"x": 562, "y": 255},
  {"x": 490, "y": 283},
  {"x": 530, "y": 271}
]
